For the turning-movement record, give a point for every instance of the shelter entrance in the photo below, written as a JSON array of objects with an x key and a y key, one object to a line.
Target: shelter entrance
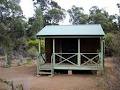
[
  {"x": 66, "y": 50},
  {"x": 66, "y": 45}
]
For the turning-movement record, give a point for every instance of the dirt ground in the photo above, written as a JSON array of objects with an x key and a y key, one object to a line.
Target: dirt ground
[{"x": 26, "y": 74}]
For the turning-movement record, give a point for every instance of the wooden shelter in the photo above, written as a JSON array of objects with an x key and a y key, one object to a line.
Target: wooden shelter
[{"x": 71, "y": 47}]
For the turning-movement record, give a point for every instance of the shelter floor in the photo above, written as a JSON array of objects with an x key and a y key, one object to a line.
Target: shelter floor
[{"x": 69, "y": 67}]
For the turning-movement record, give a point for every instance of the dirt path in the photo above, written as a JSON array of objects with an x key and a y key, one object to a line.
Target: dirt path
[{"x": 26, "y": 74}]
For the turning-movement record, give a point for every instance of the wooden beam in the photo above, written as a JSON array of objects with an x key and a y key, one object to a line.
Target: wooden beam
[{"x": 79, "y": 58}]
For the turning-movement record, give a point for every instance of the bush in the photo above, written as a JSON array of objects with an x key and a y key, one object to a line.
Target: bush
[
  {"x": 112, "y": 42},
  {"x": 108, "y": 44},
  {"x": 32, "y": 43},
  {"x": 112, "y": 77},
  {"x": 108, "y": 39},
  {"x": 35, "y": 43},
  {"x": 33, "y": 52},
  {"x": 116, "y": 44}
]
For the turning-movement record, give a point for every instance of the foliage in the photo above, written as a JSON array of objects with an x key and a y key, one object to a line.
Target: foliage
[
  {"x": 112, "y": 41},
  {"x": 77, "y": 15},
  {"x": 109, "y": 39},
  {"x": 118, "y": 17},
  {"x": 52, "y": 12},
  {"x": 95, "y": 16},
  {"x": 116, "y": 44},
  {"x": 100, "y": 16},
  {"x": 54, "y": 16},
  {"x": 32, "y": 52},
  {"x": 33, "y": 43},
  {"x": 12, "y": 26},
  {"x": 35, "y": 24},
  {"x": 46, "y": 5}
]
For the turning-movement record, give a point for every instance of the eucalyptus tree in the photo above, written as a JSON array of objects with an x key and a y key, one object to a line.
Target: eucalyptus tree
[
  {"x": 52, "y": 12},
  {"x": 54, "y": 16},
  {"x": 77, "y": 15},
  {"x": 35, "y": 23},
  {"x": 95, "y": 16},
  {"x": 100, "y": 16},
  {"x": 11, "y": 26},
  {"x": 118, "y": 5}
]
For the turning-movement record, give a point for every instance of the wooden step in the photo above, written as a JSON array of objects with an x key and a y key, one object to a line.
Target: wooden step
[
  {"x": 45, "y": 73},
  {"x": 45, "y": 69}
]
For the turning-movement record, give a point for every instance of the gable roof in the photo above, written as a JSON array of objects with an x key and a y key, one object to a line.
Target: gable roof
[{"x": 71, "y": 30}]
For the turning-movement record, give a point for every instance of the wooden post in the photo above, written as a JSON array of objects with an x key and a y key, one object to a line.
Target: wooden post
[
  {"x": 39, "y": 46},
  {"x": 39, "y": 52},
  {"x": 79, "y": 60},
  {"x": 69, "y": 72},
  {"x": 53, "y": 62},
  {"x": 103, "y": 52},
  {"x": 102, "y": 47},
  {"x": 53, "y": 51}
]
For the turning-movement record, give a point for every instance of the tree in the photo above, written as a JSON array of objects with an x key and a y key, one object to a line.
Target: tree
[
  {"x": 77, "y": 15},
  {"x": 35, "y": 23},
  {"x": 43, "y": 4},
  {"x": 100, "y": 16},
  {"x": 95, "y": 16},
  {"x": 118, "y": 17},
  {"x": 54, "y": 16},
  {"x": 11, "y": 26},
  {"x": 52, "y": 12}
]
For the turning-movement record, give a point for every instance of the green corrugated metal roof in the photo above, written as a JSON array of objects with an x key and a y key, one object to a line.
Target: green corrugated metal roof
[{"x": 72, "y": 30}]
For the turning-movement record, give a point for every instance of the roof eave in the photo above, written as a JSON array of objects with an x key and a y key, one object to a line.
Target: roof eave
[{"x": 69, "y": 36}]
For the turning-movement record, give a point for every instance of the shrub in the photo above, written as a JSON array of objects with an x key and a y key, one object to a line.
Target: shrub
[
  {"x": 108, "y": 44},
  {"x": 112, "y": 77},
  {"x": 116, "y": 44},
  {"x": 35, "y": 43},
  {"x": 33, "y": 52},
  {"x": 108, "y": 39},
  {"x": 32, "y": 43}
]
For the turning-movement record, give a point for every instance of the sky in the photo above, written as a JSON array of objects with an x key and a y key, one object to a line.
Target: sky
[
  {"x": 27, "y": 7},
  {"x": 108, "y": 5}
]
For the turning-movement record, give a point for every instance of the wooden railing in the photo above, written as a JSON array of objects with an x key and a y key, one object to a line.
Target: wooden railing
[
  {"x": 91, "y": 60},
  {"x": 88, "y": 61},
  {"x": 60, "y": 55},
  {"x": 41, "y": 59},
  {"x": 63, "y": 59}
]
